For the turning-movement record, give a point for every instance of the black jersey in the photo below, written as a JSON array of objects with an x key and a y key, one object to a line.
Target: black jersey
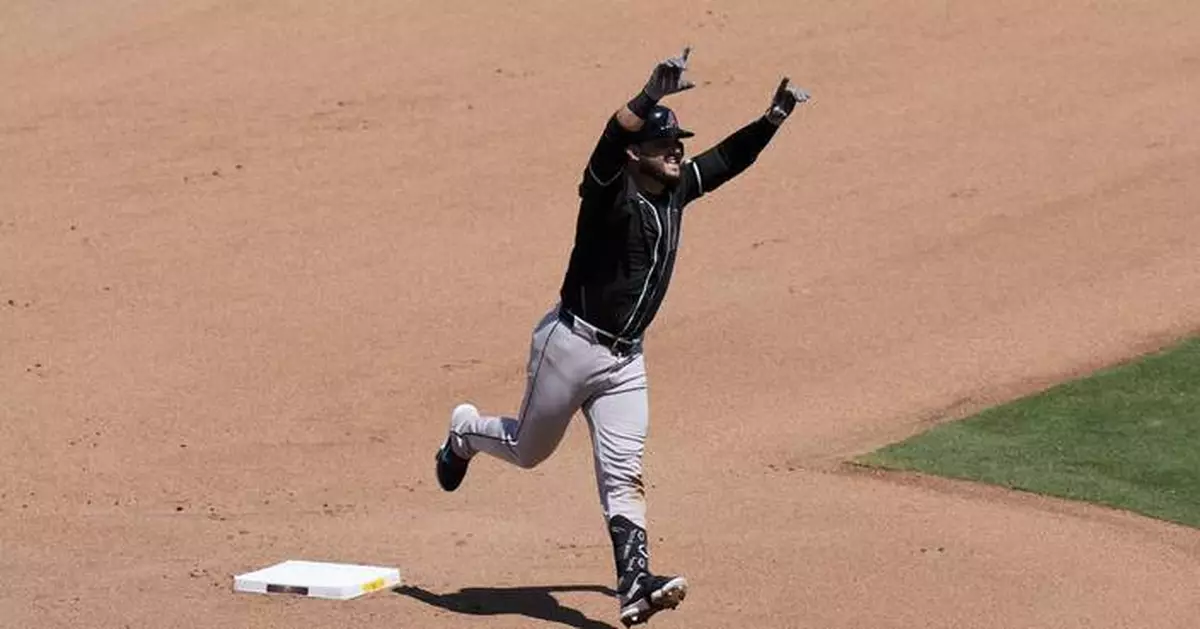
[{"x": 626, "y": 239}]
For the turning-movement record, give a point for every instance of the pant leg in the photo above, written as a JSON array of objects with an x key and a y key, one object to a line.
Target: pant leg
[
  {"x": 561, "y": 367},
  {"x": 618, "y": 417}
]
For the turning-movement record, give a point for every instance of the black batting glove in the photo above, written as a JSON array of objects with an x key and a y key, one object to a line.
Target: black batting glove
[
  {"x": 668, "y": 77},
  {"x": 786, "y": 98}
]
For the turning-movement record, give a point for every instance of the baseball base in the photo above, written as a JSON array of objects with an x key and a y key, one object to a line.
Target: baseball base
[{"x": 337, "y": 581}]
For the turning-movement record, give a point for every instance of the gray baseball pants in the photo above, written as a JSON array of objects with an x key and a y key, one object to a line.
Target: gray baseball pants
[{"x": 569, "y": 370}]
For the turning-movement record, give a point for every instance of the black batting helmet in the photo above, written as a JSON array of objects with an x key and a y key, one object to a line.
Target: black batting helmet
[{"x": 661, "y": 124}]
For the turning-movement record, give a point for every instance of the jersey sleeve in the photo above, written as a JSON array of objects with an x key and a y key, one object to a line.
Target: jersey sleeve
[
  {"x": 607, "y": 162},
  {"x": 691, "y": 182},
  {"x": 733, "y": 155}
]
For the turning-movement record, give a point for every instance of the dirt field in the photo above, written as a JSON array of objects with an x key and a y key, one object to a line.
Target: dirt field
[{"x": 251, "y": 254}]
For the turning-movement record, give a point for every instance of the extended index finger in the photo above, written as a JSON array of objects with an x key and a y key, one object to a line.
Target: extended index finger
[{"x": 687, "y": 50}]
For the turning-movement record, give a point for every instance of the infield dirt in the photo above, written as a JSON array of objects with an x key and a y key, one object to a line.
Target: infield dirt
[{"x": 254, "y": 253}]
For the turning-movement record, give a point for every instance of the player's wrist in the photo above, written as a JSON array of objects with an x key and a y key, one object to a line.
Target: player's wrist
[
  {"x": 775, "y": 115},
  {"x": 642, "y": 104}
]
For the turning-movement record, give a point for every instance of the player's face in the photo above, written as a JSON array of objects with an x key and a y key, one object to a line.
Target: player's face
[{"x": 660, "y": 160}]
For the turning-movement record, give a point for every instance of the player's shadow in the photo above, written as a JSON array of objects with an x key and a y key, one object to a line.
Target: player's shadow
[{"x": 535, "y": 602}]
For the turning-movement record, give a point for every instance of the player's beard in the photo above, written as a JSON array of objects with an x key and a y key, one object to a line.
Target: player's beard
[{"x": 660, "y": 171}]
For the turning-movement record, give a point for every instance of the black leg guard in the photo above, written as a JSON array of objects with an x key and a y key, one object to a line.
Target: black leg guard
[{"x": 630, "y": 551}]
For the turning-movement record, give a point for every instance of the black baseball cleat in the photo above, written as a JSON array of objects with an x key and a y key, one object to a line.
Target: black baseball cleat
[
  {"x": 451, "y": 468},
  {"x": 650, "y": 595}
]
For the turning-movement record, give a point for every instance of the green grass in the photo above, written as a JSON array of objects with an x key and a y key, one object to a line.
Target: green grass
[{"x": 1126, "y": 437}]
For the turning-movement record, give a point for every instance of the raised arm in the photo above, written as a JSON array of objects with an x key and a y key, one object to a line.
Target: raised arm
[
  {"x": 608, "y": 158},
  {"x": 733, "y": 155}
]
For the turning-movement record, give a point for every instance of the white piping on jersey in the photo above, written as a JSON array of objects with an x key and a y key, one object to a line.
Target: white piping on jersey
[
  {"x": 592, "y": 173},
  {"x": 653, "y": 263},
  {"x": 699, "y": 181},
  {"x": 672, "y": 244},
  {"x": 670, "y": 232}
]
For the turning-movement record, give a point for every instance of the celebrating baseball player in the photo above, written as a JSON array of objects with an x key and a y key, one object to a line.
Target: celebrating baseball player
[{"x": 586, "y": 353}]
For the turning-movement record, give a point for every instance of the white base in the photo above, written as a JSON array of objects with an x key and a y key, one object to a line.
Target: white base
[{"x": 315, "y": 579}]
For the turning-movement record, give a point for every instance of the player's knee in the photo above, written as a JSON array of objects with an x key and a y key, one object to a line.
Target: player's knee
[
  {"x": 529, "y": 463},
  {"x": 529, "y": 459}
]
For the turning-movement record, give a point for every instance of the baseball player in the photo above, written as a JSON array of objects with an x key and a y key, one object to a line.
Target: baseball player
[{"x": 586, "y": 353}]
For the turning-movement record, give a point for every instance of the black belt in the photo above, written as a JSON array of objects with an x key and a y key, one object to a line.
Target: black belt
[{"x": 615, "y": 344}]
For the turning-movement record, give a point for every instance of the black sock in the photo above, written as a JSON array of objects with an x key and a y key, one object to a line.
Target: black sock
[{"x": 630, "y": 551}]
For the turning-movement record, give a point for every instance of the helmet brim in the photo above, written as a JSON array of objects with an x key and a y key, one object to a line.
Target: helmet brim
[{"x": 675, "y": 133}]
